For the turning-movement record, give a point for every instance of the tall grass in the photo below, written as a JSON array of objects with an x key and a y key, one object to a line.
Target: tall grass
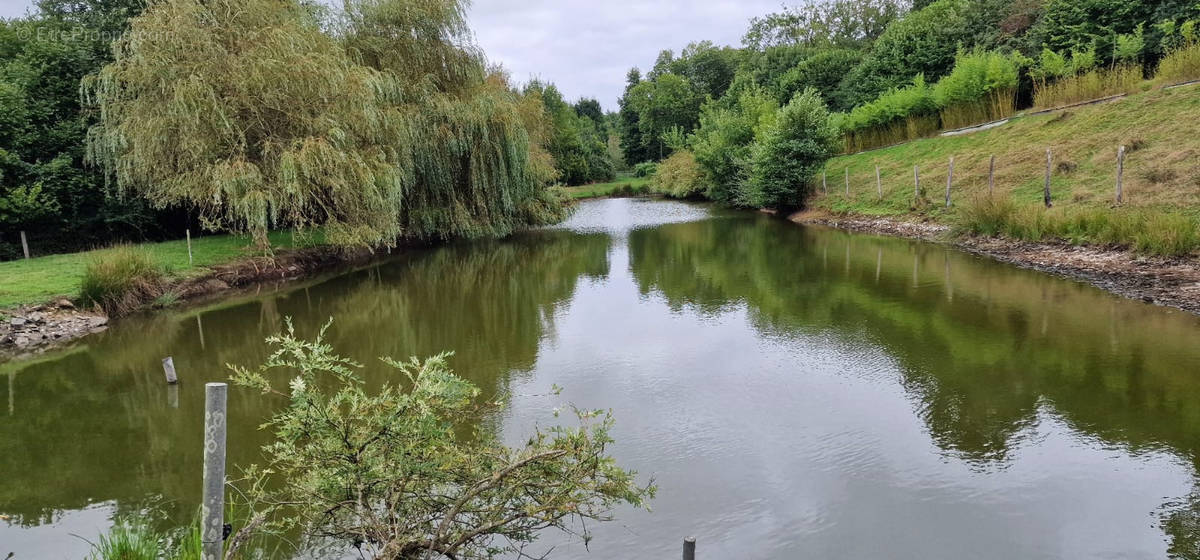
[
  {"x": 1180, "y": 65},
  {"x": 128, "y": 541},
  {"x": 981, "y": 88},
  {"x": 121, "y": 279},
  {"x": 1093, "y": 84},
  {"x": 898, "y": 115},
  {"x": 1161, "y": 234}
]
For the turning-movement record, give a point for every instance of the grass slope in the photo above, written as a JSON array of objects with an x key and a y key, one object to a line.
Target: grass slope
[
  {"x": 622, "y": 185},
  {"x": 1162, "y": 165},
  {"x": 43, "y": 278}
]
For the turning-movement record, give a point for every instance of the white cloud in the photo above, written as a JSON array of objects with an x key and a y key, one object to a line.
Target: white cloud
[{"x": 585, "y": 46}]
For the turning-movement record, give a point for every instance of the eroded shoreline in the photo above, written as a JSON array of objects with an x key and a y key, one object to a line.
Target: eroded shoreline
[
  {"x": 35, "y": 329},
  {"x": 1169, "y": 282}
]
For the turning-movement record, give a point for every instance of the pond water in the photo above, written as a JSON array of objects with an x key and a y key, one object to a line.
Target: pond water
[{"x": 795, "y": 392}]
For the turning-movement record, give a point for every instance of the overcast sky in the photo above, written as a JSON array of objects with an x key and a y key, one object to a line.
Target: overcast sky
[{"x": 586, "y": 46}]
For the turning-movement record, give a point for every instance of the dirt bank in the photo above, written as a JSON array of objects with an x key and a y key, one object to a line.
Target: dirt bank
[
  {"x": 35, "y": 329},
  {"x": 1172, "y": 282}
]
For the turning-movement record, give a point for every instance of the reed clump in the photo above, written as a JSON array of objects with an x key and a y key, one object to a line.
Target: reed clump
[
  {"x": 1092, "y": 84},
  {"x": 1180, "y": 65},
  {"x": 121, "y": 279},
  {"x": 1151, "y": 233}
]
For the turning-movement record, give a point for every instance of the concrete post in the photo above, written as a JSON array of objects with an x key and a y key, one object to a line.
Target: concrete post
[{"x": 212, "y": 510}]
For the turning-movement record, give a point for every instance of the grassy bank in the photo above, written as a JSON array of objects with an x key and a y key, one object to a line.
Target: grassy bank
[
  {"x": 627, "y": 185},
  {"x": 1161, "y": 208},
  {"x": 38, "y": 280}
]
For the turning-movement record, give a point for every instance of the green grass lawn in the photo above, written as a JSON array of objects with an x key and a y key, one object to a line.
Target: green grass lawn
[
  {"x": 636, "y": 185},
  {"x": 41, "y": 279}
]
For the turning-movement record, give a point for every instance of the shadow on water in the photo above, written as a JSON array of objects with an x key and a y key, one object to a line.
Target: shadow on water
[
  {"x": 99, "y": 425},
  {"x": 984, "y": 349},
  {"x": 834, "y": 395}
]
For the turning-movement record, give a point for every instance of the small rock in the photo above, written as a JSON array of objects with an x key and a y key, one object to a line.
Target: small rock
[
  {"x": 16, "y": 322},
  {"x": 36, "y": 317},
  {"x": 64, "y": 303}
]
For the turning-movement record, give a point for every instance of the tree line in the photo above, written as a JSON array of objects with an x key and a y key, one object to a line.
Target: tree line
[
  {"x": 377, "y": 122},
  {"x": 887, "y": 71}
]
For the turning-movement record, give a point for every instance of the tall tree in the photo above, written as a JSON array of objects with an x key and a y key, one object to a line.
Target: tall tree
[
  {"x": 835, "y": 23},
  {"x": 248, "y": 111},
  {"x": 633, "y": 147}
]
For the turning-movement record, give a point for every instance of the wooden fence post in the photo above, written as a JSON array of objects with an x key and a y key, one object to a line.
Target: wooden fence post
[
  {"x": 169, "y": 369},
  {"x": 847, "y": 182},
  {"x": 878, "y": 184},
  {"x": 824, "y": 187},
  {"x": 992, "y": 175},
  {"x": 1046, "y": 189},
  {"x": 1120, "y": 172},
  {"x": 189, "y": 240},
  {"x": 25, "y": 244},
  {"x": 949, "y": 180},
  {"x": 689, "y": 548},
  {"x": 212, "y": 509}
]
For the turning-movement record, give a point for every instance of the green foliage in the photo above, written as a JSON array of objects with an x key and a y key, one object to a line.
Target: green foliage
[
  {"x": 981, "y": 88},
  {"x": 645, "y": 169},
  {"x": 127, "y": 541},
  {"x": 1181, "y": 63},
  {"x": 390, "y": 470},
  {"x": 633, "y": 144},
  {"x": 663, "y": 103},
  {"x": 121, "y": 280},
  {"x": 576, "y": 138},
  {"x": 1162, "y": 234},
  {"x": 923, "y": 42},
  {"x": 723, "y": 143},
  {"x": 1129, "y": 46},
  {"x": 822, "y": 71},
  {"x": 1081, "y": 25},
  {"x": 680, "y": 176},
  {"x": 24, "y": 205},
  {"x": 839, "y": 23},
  {"x": 790, "y": 154},
  {"x": 386, "y": 127},
  {"x": 708, "y": 69},
  {"x": 42, "y": 129},
  {"x": 898, "y": 115}
]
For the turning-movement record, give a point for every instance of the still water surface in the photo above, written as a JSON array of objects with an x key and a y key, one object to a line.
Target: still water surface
[{"x": 796, "y": 392}]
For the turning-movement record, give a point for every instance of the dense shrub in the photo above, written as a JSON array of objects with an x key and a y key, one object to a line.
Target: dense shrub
[
  {"x": 722, "y": 145},
  {"x": 121, "y": 279},
  {"x": 923, "y": 42},
  {"x": 790, "y": 153},
  {"x": 823, "y": 72},
  {"x": 679, "y": 176},
  {"x": 645, "y": 169}
]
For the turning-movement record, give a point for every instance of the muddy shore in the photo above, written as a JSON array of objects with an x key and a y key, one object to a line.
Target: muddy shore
[
  {"x": 35, "y": 329},
  {"x": 1171, "y": 282}
]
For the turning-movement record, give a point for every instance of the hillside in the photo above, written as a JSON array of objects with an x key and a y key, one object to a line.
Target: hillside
[{"x": 1161, "y": 177}]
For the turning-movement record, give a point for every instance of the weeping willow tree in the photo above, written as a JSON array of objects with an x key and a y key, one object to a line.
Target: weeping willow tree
[{"x": 387, "y": 126}]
